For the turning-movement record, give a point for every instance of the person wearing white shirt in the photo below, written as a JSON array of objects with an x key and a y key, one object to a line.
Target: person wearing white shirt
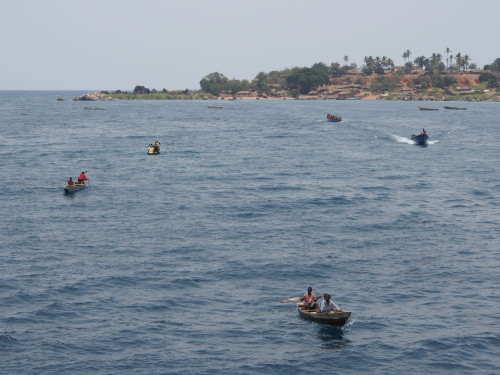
[{"x": 327, "y": 305}]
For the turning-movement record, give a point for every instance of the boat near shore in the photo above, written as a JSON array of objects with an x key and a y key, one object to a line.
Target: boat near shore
[
  {"x": 333, "y": 318},
  {"x": 428, "y": 108},
  {"x": 453, "y": 107}
]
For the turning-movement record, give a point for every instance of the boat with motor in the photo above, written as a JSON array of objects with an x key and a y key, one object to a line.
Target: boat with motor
[
  {"x": 336, "y": 318},
  {"x": 154, "y": 148},
  {"x": 421, "y": 138},
  {"x": 333, "y": 118}
]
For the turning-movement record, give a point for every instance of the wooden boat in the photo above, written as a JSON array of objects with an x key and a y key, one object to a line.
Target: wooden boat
[
  {"x": 76, "y": 186},
  {"x": 333, "y": 118},
  {"x": 334, "y": 318},
  {"x": 421, "y": 138},
  {"x": 453, "y": 107},
  {"x": 428, "y": 109}
]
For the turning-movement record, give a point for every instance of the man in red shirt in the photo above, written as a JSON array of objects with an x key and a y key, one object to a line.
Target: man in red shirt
[
  {"x": 70, "y": 181},
  {"x": 82, "y": 178},
  {"x": 310, "y": 300}
]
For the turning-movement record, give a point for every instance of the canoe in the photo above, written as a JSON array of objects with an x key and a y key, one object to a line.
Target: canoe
[
  {"x": 333, "y": 118},
  {"x": 151, "y": 151},
  {"x": 76, "y": 187},
  {"x": 428, "y": 109},
  {"x": 332, "y": 318},
  {"x": 452, "y": 107}
]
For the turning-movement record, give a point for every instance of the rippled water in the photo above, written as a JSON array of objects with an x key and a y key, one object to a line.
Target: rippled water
[{"x": 176, "y": 263}]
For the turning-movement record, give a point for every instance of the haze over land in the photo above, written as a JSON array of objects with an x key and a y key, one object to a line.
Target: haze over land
[{"x": 118, "y": 44}]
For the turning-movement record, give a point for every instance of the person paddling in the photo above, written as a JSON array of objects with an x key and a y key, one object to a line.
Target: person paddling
[
  {"x": 82, "y": 178},
  {"x": 310, "y": 300}
]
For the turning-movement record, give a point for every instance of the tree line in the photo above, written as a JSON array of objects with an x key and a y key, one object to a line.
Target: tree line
[{"x": 302, "y": 80}]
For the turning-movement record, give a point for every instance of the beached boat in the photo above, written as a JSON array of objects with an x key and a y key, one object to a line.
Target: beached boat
[
  {"x": 76, "y": 186},
  {"x": 333, "y": 318},
  {"x": 428, "y": 109},
  {"x": 421, "y": 138},
  {"x": 453, "y": 107},
  {"x": 333, "y": 118}
]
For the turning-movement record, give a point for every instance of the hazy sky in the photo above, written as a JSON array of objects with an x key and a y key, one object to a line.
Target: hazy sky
[{"x": 118, "y": 44}]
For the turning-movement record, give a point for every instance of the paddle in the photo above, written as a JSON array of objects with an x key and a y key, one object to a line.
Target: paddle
[{"x": 293, "y": 299}]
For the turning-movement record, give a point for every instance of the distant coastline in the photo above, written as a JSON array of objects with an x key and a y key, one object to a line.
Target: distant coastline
[{"x": 353, "y": 86}]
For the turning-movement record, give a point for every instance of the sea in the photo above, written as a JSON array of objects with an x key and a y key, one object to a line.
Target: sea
[{"x": 177, "y": 263}]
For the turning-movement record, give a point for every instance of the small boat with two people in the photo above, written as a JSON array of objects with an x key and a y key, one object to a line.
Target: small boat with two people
[
  {"x": 336, "y": 318},
  {"x": 154, "y": 148},
  {"x": 73, "y": 186},
  {"x": 333, "y": 118},
  {"x": 420, "y": 139},
  {"x": 326, "y": 313}
]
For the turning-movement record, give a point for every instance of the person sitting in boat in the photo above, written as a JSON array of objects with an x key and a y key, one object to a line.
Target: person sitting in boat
[
  {"x": 70, "y": 181},
  {"x": 310, "y": 300},
  {"x": 327, "y": 305},
  {"x": 156, "y": 147},
  {"x": 82, "y": 178}
]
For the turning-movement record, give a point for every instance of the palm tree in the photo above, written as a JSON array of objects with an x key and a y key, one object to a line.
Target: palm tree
[
  {"x": 458, "y": 60},
  {"x": 346, "y": 59},
  {"x": 466, "y": 60},
  {"x": 448, "y": 51},
  {"x": 407, "y": 55},
  {"x": 421, "y": 61}
]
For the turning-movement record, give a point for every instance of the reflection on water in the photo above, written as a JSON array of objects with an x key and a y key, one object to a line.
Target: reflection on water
[{"x": 332, "y": 337}]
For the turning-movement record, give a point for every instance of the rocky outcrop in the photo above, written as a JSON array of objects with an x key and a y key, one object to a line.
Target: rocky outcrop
[{"x": 93, "y": 97}]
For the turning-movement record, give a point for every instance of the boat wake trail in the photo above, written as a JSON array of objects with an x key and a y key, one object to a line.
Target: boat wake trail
[
  {"x": 409, "y": 141},
  {"x": 403, "y": 139}
]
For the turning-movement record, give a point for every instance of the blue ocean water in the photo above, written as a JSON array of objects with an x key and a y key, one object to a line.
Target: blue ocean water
[{"x": 176, "y": 263}]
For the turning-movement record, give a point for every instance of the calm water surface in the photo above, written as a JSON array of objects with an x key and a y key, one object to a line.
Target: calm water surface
[{"x": 176, "y": 263}]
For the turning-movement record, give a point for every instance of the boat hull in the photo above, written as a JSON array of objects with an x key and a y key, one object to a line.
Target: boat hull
[
  {"x": 335, "y": 119},
  {"x": 334, "y": 318},
  {"x": 76, "y": 187},
  {"x": 452, "y": 107},
  {"x": 420, "y": 139}
]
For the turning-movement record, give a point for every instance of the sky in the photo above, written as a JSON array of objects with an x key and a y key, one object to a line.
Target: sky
[{"x": 173, "y": 44}]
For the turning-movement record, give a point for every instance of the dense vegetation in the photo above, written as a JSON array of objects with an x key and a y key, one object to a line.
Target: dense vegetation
[
  {"x": 302, "y": 80},
  {"x": 434, "y": 72}
]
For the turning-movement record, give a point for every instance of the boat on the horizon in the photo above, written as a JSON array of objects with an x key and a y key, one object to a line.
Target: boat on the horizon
[
  {"x": 333, "y": 318},
  {"x": 333, "y": 118},
  {"x": 453, "y": 107},
  {"x": 421, "y": 138},
  {"x": 76, "y": 186},
  {"x": 428, "y": 108},
  {"x": 215, "y": 106}
]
